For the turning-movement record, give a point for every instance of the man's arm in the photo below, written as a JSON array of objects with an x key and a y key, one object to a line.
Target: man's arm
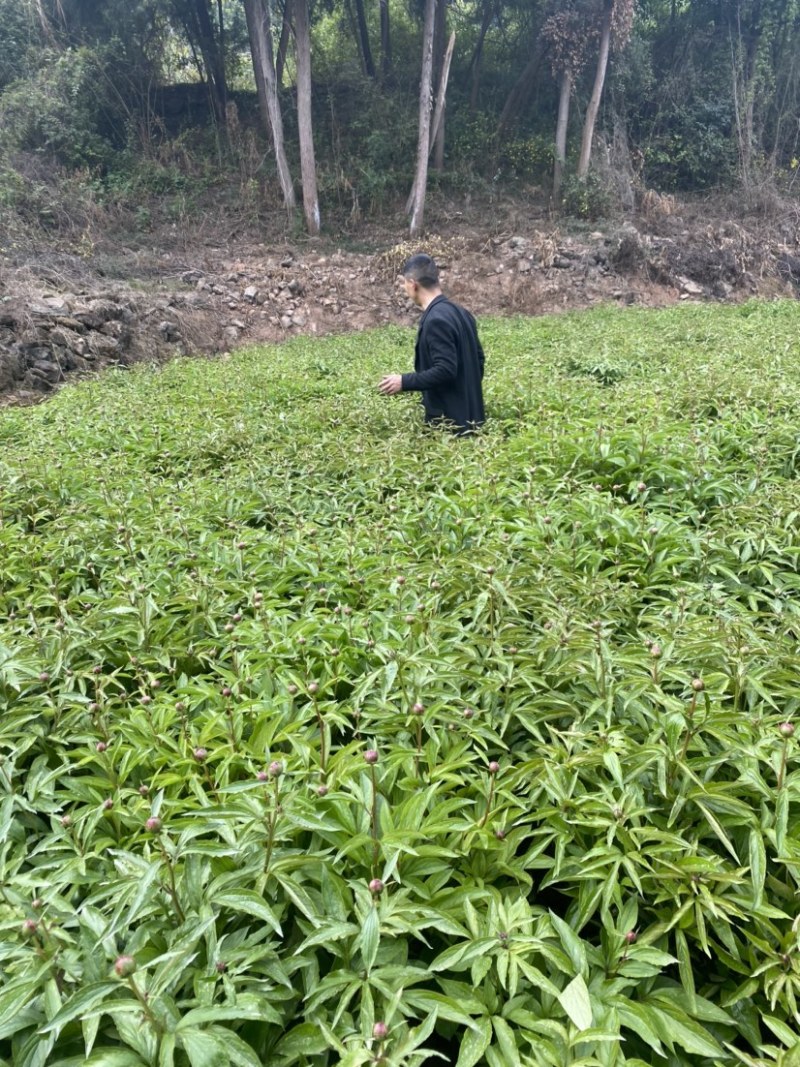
[{"x": 441, "y": 339}]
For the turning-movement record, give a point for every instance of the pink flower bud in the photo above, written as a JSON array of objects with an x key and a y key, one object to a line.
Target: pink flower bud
[
  {"x": 494, "y": 767},
  {"x": 124, "y": 966},
  {"x": 153, "y": 825},
  {"x": 371, "y": 756},
  {"x": 376, "y": 886},
  {"x": 379, "y": 1031}
]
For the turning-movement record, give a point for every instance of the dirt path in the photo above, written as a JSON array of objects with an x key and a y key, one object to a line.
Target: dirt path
[{"x": 64, "y": 314}]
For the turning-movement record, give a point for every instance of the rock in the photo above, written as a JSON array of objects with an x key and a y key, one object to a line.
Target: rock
[
  {"x": 57, "y": 304},
  {"x": 10, "y": 370},
  {"x": 296, "y": 287},
  {"x": 562, "y": 262},
  {"x": 100, "y": 345},
  {"x": 104, "y": 309},
  {"x": 689, "y": 287},
  {"x": 517, "y": 243},
  {"x": 298, "y": 319},
  {"x": 230, "y": 335},
  {"x": 251, "y": 294},
  {"x": 286, "y": 322},
  {"x": 789, "y": 268},
  {"x": 169, "y": 331},
  {"x": 69, "y": 324},
  {"x": 238, "y": 324},
  {"x": 68, "y": 339},
  {"x": 46, "y": 371},
  {"x": 524, "y": 266}
]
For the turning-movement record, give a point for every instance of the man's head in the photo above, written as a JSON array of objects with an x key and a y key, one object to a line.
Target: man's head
[{"x": 420, "y": 279}]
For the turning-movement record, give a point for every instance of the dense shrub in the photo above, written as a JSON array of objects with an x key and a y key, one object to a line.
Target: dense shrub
[{"x": 326, "y": 740}]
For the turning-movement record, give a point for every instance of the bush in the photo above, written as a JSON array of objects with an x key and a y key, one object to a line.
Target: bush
[
  {"x": 328, "y": 740},
  {"x": 61, "y": 111},
  {"x": 588, "y": 198}
]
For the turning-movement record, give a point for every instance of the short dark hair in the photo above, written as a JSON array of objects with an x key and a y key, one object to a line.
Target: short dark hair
[{"x": 422, "y": 270}]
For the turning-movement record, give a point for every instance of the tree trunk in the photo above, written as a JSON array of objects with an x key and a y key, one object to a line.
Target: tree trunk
[
  {"x": 363, "y": 40},
  {"x": 258, "y": 26},
  {"x": 386, "y": 42},
  {"x": 437, "y": 131},
  {"x": 283, "y": 44},
  {"x": 744, "y": 68},
  {"x": 438, "y": 111},
  {"x": 597, "y": 92},
  {"x": 213, "y": 60},
  {"x": 475, "y": 63},
  {"x": 308, "y": 172},
  {"x": 437, "y": 126},
  {"x": 423, "y": 144},
  {"x": 565, "y": 91}
]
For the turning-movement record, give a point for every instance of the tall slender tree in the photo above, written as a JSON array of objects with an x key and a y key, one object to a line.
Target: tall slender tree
[
  {"x": 616, "y": 21},
  {"x": 260, "y": 31},
  {"x": 308, "y": 169},
  {"x": 565, "y": 34},
  {"x": 423, "y": 141}
]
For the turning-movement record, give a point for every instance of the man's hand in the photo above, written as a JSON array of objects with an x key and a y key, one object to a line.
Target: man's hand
[{"x": 391, "y": 384}]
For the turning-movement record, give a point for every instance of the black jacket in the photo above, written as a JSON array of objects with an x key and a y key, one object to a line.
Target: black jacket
[{"x": 448, "y": 365}]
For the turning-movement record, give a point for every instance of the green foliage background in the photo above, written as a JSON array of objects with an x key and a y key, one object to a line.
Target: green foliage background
[{"x": 571, "y": 642}]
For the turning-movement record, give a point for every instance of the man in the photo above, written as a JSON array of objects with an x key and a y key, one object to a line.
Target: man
[{"x": 448, "y": 357}]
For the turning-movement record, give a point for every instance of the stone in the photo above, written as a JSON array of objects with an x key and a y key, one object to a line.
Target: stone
[
  {"x": 230, "y": 334},
  {"x": 689, "y": 287},
  {"x": 286, "y": 322},
  {"x": 251, "y": 294},
  {"x": 68, "y": 339},
  {"x": 100, "y": 345},
  {"x": 10, "y": 370},
  {"x": 169, "y": 331}
]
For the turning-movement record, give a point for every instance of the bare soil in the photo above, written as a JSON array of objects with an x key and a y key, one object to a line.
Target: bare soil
[{"x": 69, "y": 308}]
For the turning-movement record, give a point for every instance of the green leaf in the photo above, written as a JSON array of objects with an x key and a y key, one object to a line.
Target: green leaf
[
  {"x": 82, "y": 1003},
  {"x": 576, "y": 1003},
  {"x": 239, "y": 1052},
  {"x": 261, "y": 1012},
  {"x": 506, "y": 1041},
  {"x": 103, "y": 1057},
  {"x": 370, "y": 938},
  {"x": 758, "y": 865},
  {"x": 203, "y": 1049},
  {"x": 247, "y": 900}
]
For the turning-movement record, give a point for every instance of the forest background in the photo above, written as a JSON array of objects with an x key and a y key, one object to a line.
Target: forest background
[{"x": 586, "y": 103}]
